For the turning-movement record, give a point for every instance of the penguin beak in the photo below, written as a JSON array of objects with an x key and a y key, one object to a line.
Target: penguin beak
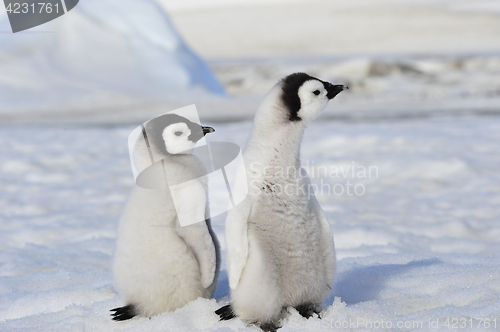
[
  {"x": 207, "y": 130},
  {"x": 334, "y": 90}
]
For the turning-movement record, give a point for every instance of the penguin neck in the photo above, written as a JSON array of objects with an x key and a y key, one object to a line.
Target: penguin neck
[{"x": 275, "y": 143}]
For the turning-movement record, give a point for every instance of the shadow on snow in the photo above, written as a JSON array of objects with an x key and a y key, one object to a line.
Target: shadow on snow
[{"x": 365, "y": 283}]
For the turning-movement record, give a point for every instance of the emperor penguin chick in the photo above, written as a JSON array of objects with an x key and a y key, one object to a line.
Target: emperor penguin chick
[
  {"x": 280, "y": 250},
  {"x": 159, "y": 265}
]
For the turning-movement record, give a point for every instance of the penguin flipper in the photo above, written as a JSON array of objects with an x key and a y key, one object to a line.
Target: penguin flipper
[
  {"x": 225, "y": 313},
  {"x": 198, "y": 238},
  {"x": 328, "y": 245},
  {"x": 124, "y": 313},
  {"x": 193, "y": 229},
  {"x": 237, "y": 240},
  {"x": 326, "y": 239}
]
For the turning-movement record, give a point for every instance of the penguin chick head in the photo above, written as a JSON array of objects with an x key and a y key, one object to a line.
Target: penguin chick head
[
  {"x": 174, "y": 134},
  {"x": 305, "y": 97}
]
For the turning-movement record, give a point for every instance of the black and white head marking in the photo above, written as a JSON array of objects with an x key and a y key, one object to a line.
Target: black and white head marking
[
  {"x": 172, "y": 133},
  {"x": 296, "y": 91}
]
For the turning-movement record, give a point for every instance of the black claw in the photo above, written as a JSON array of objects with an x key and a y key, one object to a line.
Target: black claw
[
  {"x": 269, "y": 327},
  {"x": 307, "y": 310},
  {"x": 123, "y": 313},
  {"x": 225, "y": 313}
]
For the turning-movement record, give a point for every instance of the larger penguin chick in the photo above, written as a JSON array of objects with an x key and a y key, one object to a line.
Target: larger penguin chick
[{"x": 280, "y": 250}]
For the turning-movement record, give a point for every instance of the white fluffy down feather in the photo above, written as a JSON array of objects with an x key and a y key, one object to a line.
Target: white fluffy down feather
[{"x": 159, "y": 265}]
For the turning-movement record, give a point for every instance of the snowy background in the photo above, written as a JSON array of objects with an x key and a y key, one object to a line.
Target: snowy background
[{"x": 418, "y": 250}]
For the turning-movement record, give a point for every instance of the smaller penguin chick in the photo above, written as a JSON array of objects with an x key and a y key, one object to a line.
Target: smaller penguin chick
[{"x": 159, "y": 265}]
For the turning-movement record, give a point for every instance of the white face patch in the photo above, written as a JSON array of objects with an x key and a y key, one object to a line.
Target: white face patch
[
  {"x": 176, "y": 138},
  {"x": 313, "y": 99}
]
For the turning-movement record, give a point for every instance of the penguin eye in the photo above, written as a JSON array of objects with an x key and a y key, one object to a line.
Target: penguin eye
[
  {"x": 316, "y": 92},
  {"x": 178, "y": 133}
]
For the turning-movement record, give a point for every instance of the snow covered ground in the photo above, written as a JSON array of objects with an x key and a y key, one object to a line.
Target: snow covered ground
[
  {"x": 417, "y": 235},
  {"x": 406, "y": 163},
  {"x": 381, "y": 86}
]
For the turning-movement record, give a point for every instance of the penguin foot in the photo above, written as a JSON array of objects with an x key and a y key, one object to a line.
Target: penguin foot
[
  {"x": 226, "y": 312},
  {"x": 269, "y": 327},
  {"x": 123, "y": 313},
  {"x": 306, "y": 310}
]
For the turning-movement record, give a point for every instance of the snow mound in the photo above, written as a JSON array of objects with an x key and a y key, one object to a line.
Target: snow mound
[{"x": 103, "y": 52}]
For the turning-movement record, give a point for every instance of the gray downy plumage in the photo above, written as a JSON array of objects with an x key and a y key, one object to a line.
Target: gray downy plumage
[{"x": 280, "y": 250}]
